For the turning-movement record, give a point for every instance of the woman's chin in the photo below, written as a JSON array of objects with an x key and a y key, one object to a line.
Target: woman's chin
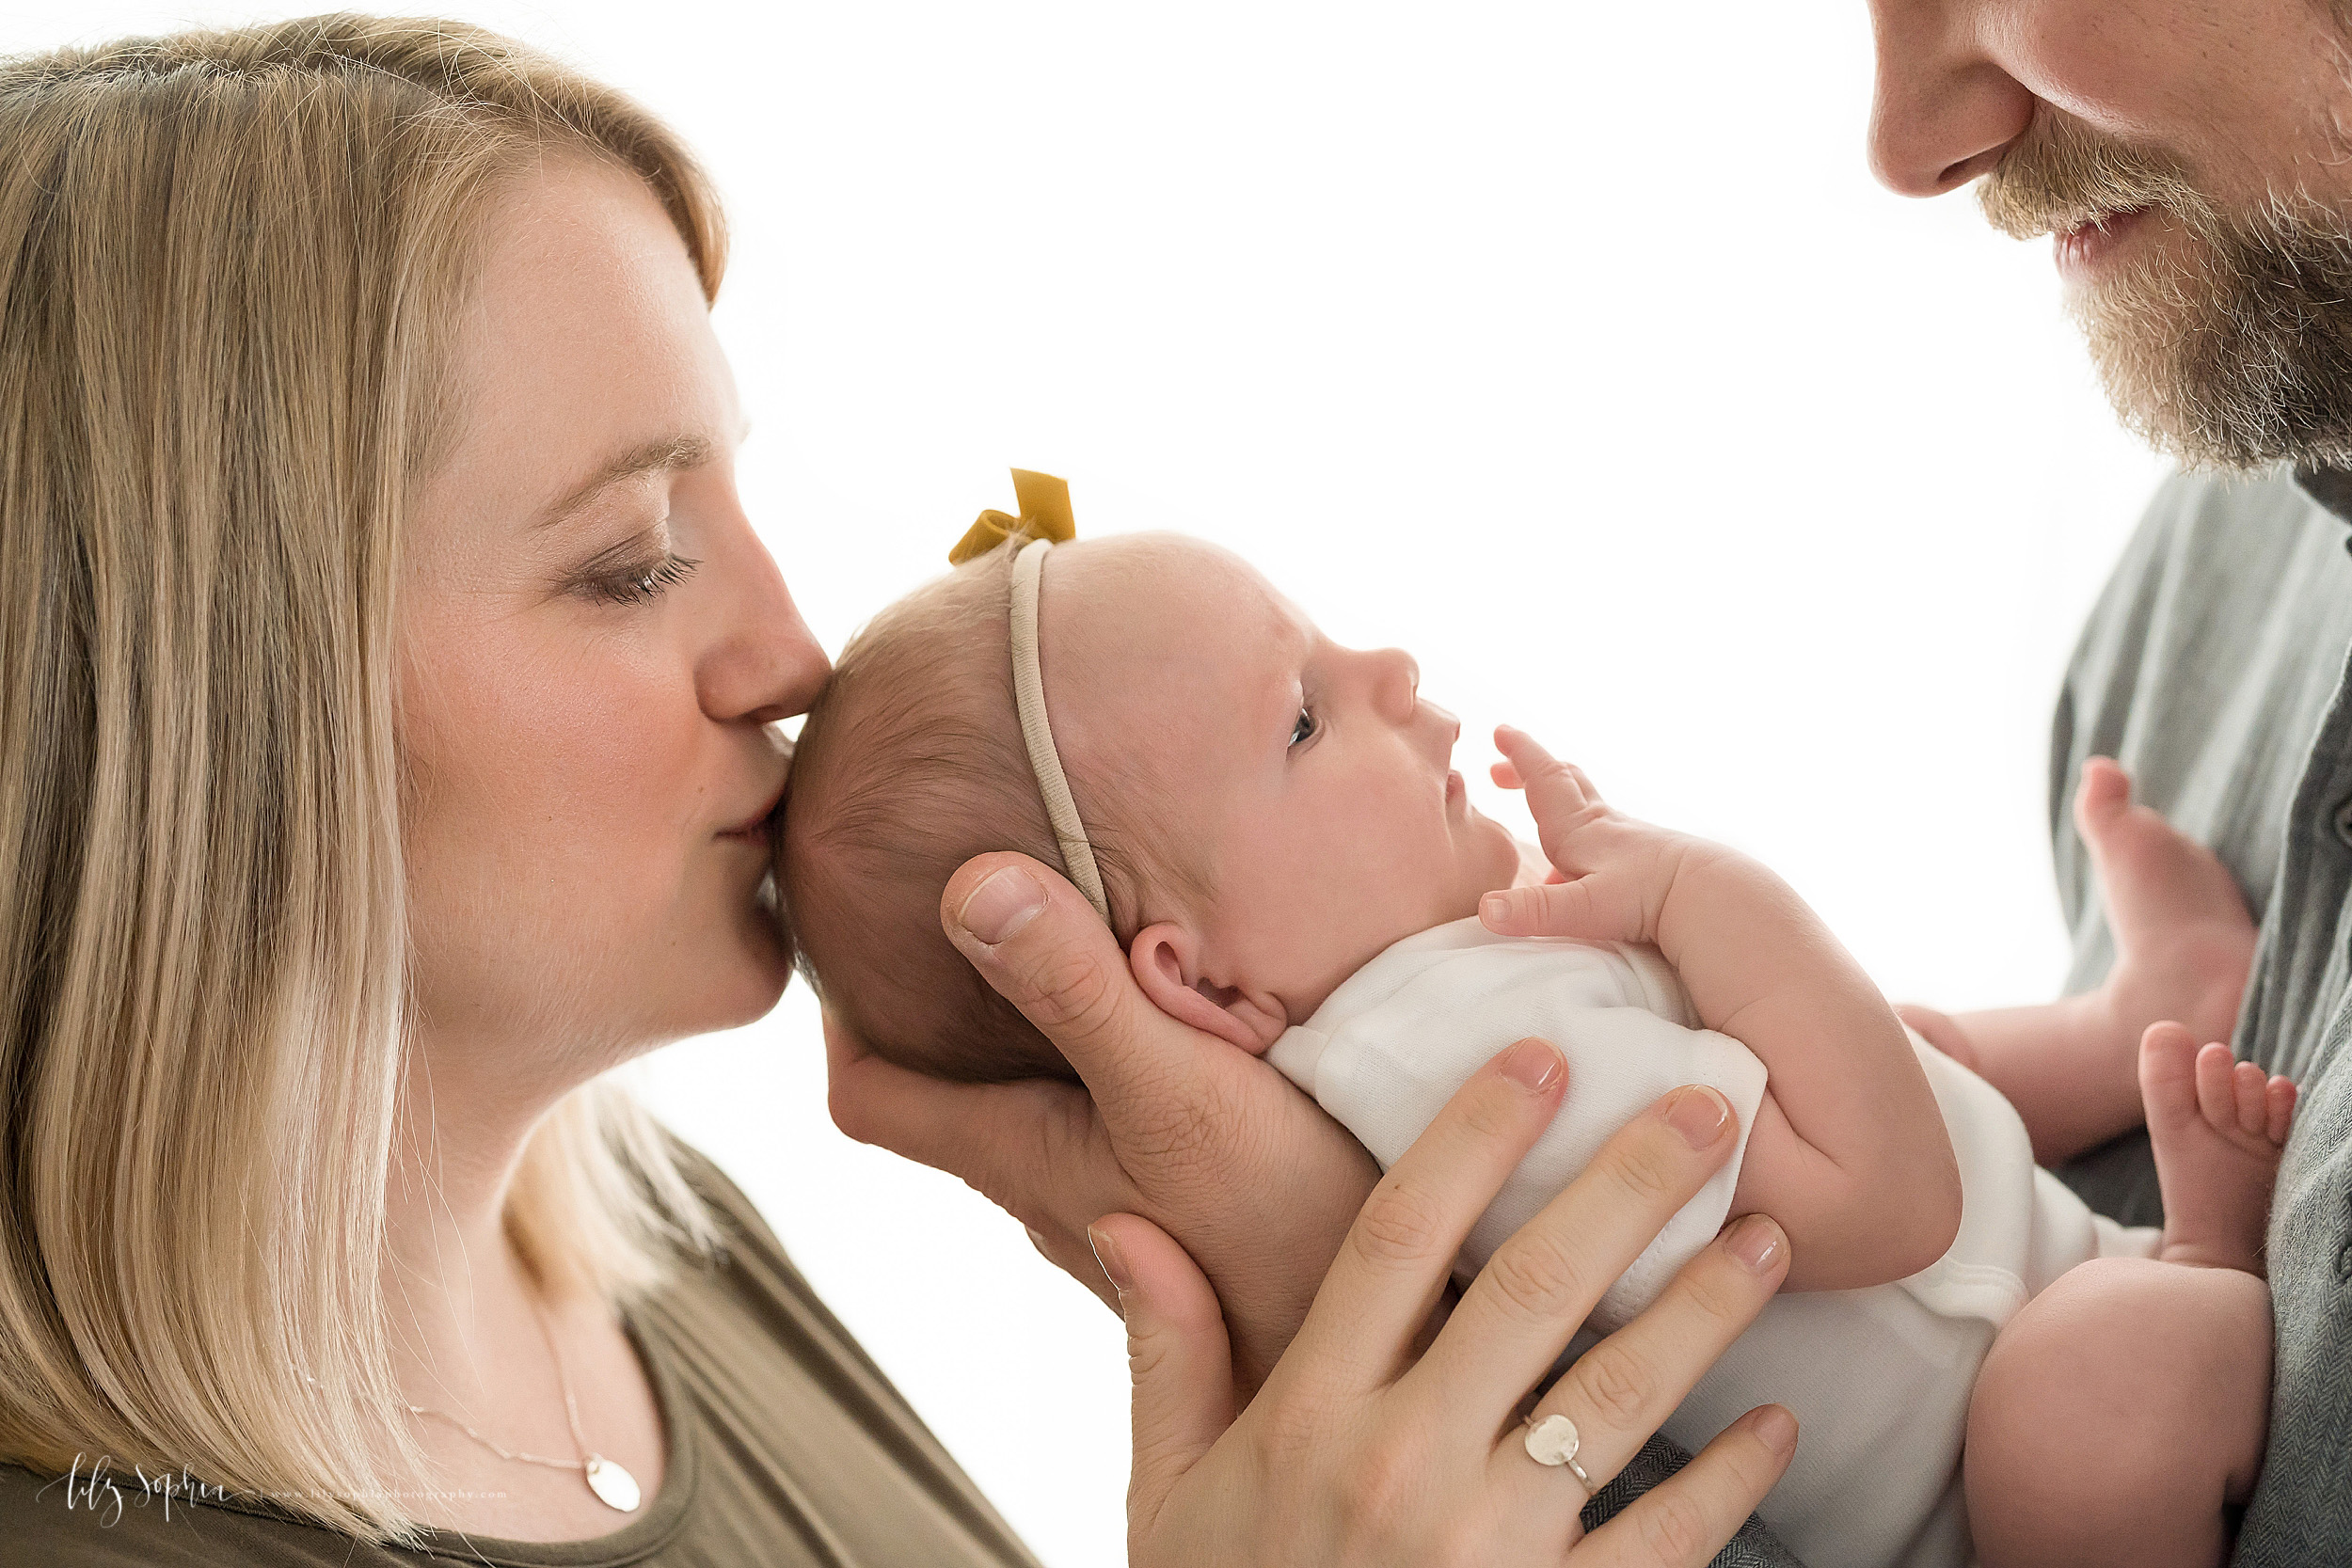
[
  {"x": 762, "y": 971},
  {"x": 743, "y": 974}
]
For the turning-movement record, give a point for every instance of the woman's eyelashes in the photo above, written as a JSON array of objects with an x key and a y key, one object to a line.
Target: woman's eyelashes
[
  {"x": 1304, "y": 730},
  {"x": 633, "y": 578}
]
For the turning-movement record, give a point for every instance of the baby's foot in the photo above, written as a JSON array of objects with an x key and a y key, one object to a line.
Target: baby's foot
[
  {"x": 2183, "y": 939},
  {"x": 2217, "y": 1126}
]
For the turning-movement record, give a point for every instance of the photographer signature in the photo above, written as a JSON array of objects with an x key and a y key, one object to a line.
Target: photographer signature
[{"x": 106, "y": 1491}]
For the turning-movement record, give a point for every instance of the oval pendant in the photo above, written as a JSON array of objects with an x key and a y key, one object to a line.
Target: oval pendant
[{"x": 615, "y": 1487}]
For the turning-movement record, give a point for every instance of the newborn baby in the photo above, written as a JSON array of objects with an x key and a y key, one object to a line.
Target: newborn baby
[{"x": 1272, "y": 826}]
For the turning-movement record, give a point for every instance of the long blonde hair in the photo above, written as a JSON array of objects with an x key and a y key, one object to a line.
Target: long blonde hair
[{"x": 229, "y": 263}]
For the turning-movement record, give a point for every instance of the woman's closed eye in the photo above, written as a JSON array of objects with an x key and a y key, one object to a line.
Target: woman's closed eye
[{"x": 634, "y": 580}]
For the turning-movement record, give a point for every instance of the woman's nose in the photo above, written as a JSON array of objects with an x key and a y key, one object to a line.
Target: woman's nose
[
  {"x": 763, "y": 665},
  {"x": 1943, "y": 111},
  {"x": 1396, "y": 684}
]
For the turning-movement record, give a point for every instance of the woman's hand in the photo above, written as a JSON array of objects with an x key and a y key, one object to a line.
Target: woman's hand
[
  {"x": 1181, "y": 1128},
  {"x": 1360, "y": 1451}
]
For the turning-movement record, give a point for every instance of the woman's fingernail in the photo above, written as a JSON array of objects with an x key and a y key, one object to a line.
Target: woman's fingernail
[
  {"x": 1106, "y": 1253},
  {"x": 1755, "y": 1242},
  {"x": 1494, "y": 909},
  {"x": 1699, "y": 1114},
  {"x": 1532, "y": 1065},
  {"x": 1776, "y": 1428},
  {"x": 1000, "y": 905}
]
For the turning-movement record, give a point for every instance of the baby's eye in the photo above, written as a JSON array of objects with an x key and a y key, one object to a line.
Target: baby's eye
[{"x": 1305, "y": 728}]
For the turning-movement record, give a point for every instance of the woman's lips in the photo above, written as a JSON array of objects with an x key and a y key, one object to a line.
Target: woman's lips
[
  {"x": 754, "y": 829},
  {"x": 1454, "y": 793},
  {"x": 2080, "y": 250}
]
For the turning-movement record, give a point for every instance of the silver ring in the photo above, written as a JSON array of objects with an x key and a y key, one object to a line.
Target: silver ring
[{"x": 1554, "y": 1441}]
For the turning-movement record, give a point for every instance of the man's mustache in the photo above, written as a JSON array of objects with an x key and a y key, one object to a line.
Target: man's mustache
[{"x": 2062, "y": 174}]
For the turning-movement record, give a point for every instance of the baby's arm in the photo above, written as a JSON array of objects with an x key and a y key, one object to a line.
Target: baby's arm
[
  {"x": 1848, "y": 1151},
  {"x": 2184, "y": 943}
]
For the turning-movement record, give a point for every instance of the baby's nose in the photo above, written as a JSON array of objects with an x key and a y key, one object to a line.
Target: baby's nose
[{"x": 1399, "y": 684}]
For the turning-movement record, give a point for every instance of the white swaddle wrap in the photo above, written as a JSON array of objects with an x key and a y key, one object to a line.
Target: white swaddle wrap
[{"x": 1878, "y": 1378}]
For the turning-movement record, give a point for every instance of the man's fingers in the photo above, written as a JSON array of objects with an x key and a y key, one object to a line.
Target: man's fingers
[
  {"x": 1033, "y": 1148},
  {"x": 1035, "y": 939},
  {"x": 1178, "y": 1352},
  {"x": 1081, "y": 1263},
  {"x": 1683, "y": 1522}
]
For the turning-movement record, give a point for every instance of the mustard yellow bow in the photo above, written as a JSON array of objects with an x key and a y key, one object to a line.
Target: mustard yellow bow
[{"x": 1044, "y": 514}]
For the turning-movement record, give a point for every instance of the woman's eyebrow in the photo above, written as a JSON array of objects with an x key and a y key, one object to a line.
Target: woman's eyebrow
[{"x": 662, "y": 454}]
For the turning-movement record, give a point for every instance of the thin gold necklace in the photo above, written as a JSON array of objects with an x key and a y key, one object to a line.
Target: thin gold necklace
[{"x": 613, "y": 1484}]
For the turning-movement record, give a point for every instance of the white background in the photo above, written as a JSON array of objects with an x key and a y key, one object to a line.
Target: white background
[{"x": 1566, "y": 344}]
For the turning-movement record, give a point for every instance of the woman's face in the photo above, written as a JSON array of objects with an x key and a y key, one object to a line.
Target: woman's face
[{"x": 594, "y": 648}]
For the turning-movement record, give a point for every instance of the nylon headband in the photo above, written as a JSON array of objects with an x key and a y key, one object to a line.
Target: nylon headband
[{"x": 1037, "y": 730}]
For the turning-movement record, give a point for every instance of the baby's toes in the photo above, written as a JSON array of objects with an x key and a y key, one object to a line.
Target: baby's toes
[
  {"x": 2253, "y": 1109},
  {"x": 2279, "y": 1108},
  {"x": 2217, "y": 1087},
  {"x": 2167, "y": 1074}
]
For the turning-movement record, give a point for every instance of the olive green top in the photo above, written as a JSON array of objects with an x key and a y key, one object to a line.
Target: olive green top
[{"x": 786, "y": 1447}]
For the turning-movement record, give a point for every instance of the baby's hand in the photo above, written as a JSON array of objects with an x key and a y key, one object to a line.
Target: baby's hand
[{"x": 1615, "y": 872}]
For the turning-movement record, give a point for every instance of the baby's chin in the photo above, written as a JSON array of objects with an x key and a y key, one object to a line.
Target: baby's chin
[{"x": 1494, "y": 859}]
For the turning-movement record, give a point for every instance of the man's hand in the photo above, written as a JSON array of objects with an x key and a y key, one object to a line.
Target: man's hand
[{"x": 1204, "y": 1140}]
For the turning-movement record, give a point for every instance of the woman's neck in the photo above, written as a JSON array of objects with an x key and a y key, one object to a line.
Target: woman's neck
[
  {"x": 457, "y": 1291},
  {"x": 474, "y": 1336}
]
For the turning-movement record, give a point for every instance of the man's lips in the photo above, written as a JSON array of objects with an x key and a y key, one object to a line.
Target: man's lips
[{"x": 2081, "y": 247}]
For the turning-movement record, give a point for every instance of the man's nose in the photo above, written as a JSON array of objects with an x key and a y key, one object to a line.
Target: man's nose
[{"x": 1944, "y": 110}]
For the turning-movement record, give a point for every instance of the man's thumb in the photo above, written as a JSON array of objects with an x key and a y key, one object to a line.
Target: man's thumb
[
  {"x": 1177, "y": 1350},
  {"x": 1035, "y": 939}
]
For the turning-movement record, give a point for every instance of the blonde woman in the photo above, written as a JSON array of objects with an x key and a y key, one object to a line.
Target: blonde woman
[{"x": 388, "y": 681}]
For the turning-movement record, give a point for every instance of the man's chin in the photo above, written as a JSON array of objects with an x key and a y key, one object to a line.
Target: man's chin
[{"x": 2228, "y": 352}]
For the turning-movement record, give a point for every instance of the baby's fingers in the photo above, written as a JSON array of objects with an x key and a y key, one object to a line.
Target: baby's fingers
[
  {"x": 1599, "y": 907},
  {"x": 1564, "y": 783},
  {"x": 1562, "y": 799}
]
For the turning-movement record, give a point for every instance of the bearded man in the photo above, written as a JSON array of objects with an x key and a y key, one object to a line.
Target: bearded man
[{"x": 2193, "y": 160}]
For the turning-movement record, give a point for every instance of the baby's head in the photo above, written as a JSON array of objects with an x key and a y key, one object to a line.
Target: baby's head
[{"x": 1269, "y": 810}]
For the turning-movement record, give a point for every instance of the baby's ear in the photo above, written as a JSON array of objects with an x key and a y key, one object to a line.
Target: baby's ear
[{"x": 1165, "y": 959}]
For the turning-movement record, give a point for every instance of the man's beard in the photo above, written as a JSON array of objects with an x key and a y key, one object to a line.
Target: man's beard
[{"x": 2234, "y": 353}]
